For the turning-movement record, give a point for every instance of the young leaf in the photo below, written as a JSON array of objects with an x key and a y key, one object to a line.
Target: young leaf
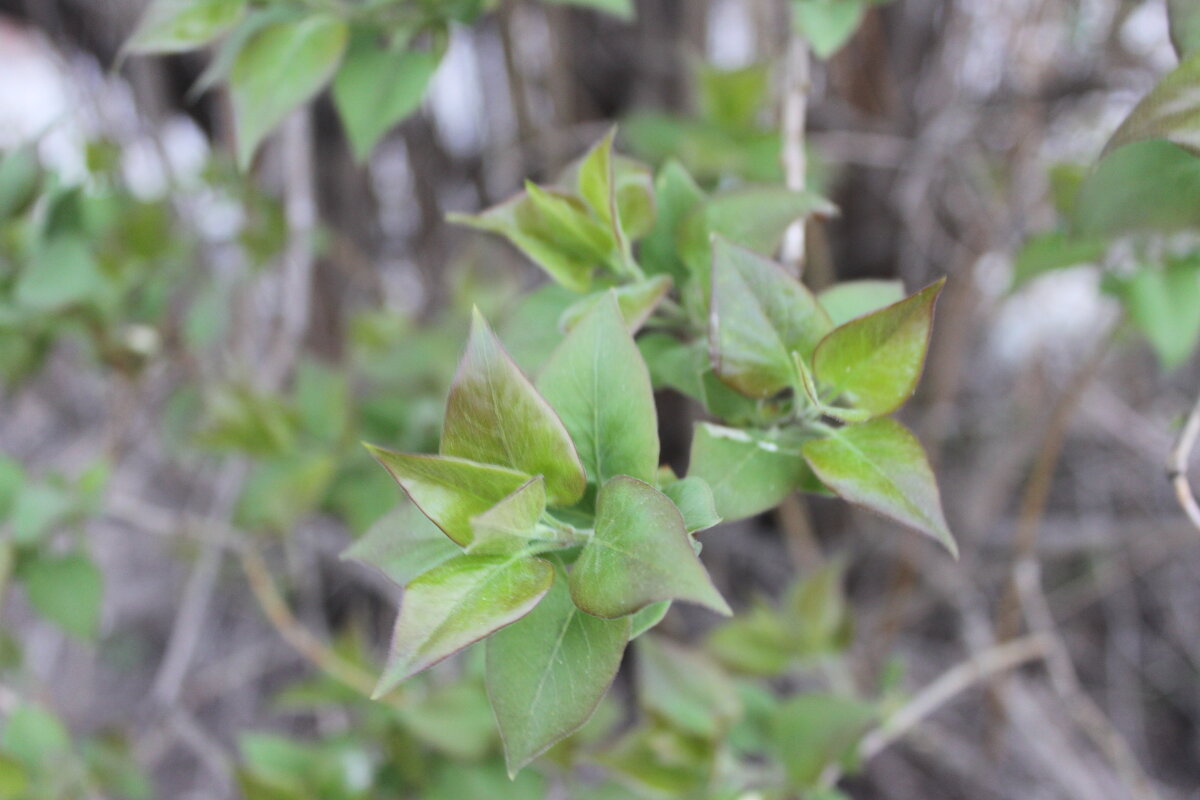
[
  {"x": 827, "y": 24},
  {"x": 521, "y": 222},
  {"x": 881, "y": 466},
  {"x": 1171, "y": 111},
  {"x": 403, "y": 545},
  {"x": 547, "y": 672},
  {"x": 637, "y": 302},
  {"x": 754, "y": 217},
  {"x": 759, "y": 316},
  {"x": 67, "y": 591},
  {"x": 812, "y": 731},
  {"x": 508, "y": 526},
  {"x": 677, "y": 195},
  {"x": 694, "y": 499},
  {"x": 647, "y": 618},
  {"x": 875, "y": 361},
  {"x": 459, "y": 603},
  {"x": 1164, "y": 304},
  {"x": 747, "y": 471},
  {"x": 175, "y": 26},
  {"x": 597, "y": 382},
  {"x": 450, "y": 491},
  {"x": 568, "y": 223},
  {"x": 639, "y": 554},
  {"x": 849, "y": 299},
  {"x": 495, "y": 416},
  {"x": 282, "y": 67},
  {"x": 685, "y": 688},
  {"x": 370, "y": 104}
]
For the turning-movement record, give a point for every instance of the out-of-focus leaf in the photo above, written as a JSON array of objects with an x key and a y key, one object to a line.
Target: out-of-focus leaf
[
  {"x": 281, "y": 491},
  {"x": 494, "y": 415},
  {"x": 637, "y": 301},
  {"x": 403, "y": 545},
  {"x": 1164, "y": 304},
  {"x": 639, "y": 554},
  {"x": 67, "y": 591},
  {"x": 63, "y": 273},
  {"x": 759, "y": 316},
  {"x": 755, "y": 642},
  {"x": 733, "y": 98},
  {"x": 685, "y": 688},
  {"x": 598, "y": 384},
  {"x": 827, "y": 24},
  {"x": 748, "y": 471},
  {"x": 1184, "y": 16},
  {"x": 280, "y": 68},
  {"x": 454, "y": 719},
  {"x": 849, "y": 299},
  {"x": 1051, "y": 251},
  {"x": 547, "y": 672},
  {"x": 20, "y": 179},
  {"x": 661, "y": 762},
  {"x": 531, "y": 330},
  {"x": 175, "y": 26},
  {"x": 875, "y": 361},
  {"x": 881, "y": 466},
  {"x": 618, "y": 8},
  {"x": 458, "y": 603},
  {"x": 378, "y": 86},
  {"x": 677, "y": 194},
  {"x": 813, "y": 731},
  {"x": 1171, "y": 111},
  {"x": 37, "y": 509},
  {"x": 451, "y": 781},
  {"x": 1144, "y": 186}
]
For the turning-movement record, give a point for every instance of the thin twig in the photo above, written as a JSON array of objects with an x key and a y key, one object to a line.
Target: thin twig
[
  {"x": 949, "y": 685},
  {"x": 1177, "y": 465},
  {"x": 795, "y": 166}
]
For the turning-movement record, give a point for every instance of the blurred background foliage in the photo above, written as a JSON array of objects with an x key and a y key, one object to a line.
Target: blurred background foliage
[{"x": 208, "y": 299}]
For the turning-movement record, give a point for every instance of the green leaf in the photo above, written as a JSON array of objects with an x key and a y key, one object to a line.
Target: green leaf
[
  {"x": 850, "y": 299},
  {"x": 748, "y": 471},
  {"x": 377, "y": 87},
  {"x": 685, "y": 688},
  {"x": 36, "y": 510},
  {"x": 1184, "y": 16},
  {"x": 639, "y": 554},
  {"x": 1164, "y": 304},
  {"x": 694, "y": 499},
  {"x": 875, "y": 361},
  {"x": 881, "y": 466},
  {"x": 14, "y": 779},
  {"x": 20, "y": 181},
  {"x": 827, "y": 24},
  {"x": 530, "y": 331},
  {"x": 648, "y": 618},
  {"x": 812, "y": 731},
  {"x": 495, "y": 416},
  {"x": 35, "y": 736},
  {"x": 403, "y": 545},
  {"x": 547, "y": 673},
  {"x": 661, "y": 762},
  {"x": 759, "y": 316},
  {"x": 816, "y": 613},
  {"x": 450, "y": 491},
  {"x": 281, "y": 491},
  {"x": 756, "y": 642},
  {"x": 733, "y": 98},
  {"x": 1151, "y": 186},
  {"x": 281, "y": 67},
  {"x": 677, "y": 195},
  {"x": 457, "y": 604},
  {"x": 1171, "y": 111},
  {"x": 175, "y": 26},
  {"x": 568, "y": 223},
  {"x": 63, "y": 273},
  {"x": 624, "y": 9},
  {"x": 597, "y": 382},
  {"x": 454, "y": 719},
  {"x": 569, "y": 262},
  {"x": 1052, "y": 251},
  {"x": 12, "y": 483},
  {"x": 322, "y": 401},
  {"x": 754, "y": 217},
  {"x": 637, "y": 301},
  {"x": 509, "y": 525},
  {"x": 67, "y": 591}
]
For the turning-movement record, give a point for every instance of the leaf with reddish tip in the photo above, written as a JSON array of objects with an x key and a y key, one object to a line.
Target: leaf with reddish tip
[
  {"x": 547, "y": 673},
  {"x": 457, "y": 604},
  {"x": 875, "y": 361},
  {"x": 759, "y": 316},
  {"x": 639, "y": 554},
  {"x": 495, "y": 416},
  {"x": 450, "y": 491},
  {"x": 881, "y": 466}
]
